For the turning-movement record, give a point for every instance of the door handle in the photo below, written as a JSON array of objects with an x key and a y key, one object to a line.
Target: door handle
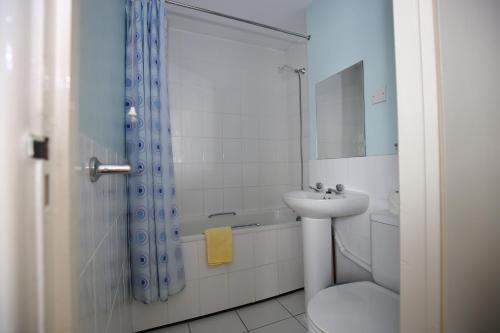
[{"x": 97, "y": 169}]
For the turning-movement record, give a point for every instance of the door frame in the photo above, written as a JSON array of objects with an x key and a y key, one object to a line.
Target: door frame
[
  {"x": 61, "y": 226},
  {"x": 417, "y": 76}
]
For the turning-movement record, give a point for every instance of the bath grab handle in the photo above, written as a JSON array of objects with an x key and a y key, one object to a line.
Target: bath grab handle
[
  {"x": 220, "y": 214},
  {"x": 97, "y": 169},
  {"x": 246, "y": 225}
]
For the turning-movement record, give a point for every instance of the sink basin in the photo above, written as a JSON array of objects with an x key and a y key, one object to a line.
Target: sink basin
[{"x": 321, "y": 206}]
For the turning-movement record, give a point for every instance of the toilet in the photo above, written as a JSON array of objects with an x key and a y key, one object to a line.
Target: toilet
[{"x": 364, "y": 306}]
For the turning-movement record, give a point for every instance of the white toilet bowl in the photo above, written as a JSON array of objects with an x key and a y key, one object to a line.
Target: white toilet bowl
[
  {"x": 364, "y": 307},
  {"x": 359, "y": 307}
]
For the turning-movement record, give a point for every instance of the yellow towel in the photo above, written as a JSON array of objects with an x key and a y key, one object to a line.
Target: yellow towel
[{"x": 219, "y": 245}]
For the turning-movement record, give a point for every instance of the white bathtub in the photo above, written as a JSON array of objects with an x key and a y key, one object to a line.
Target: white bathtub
[
  {"x": 193, "y": 229},
  {"x": 267, "y": 262}
]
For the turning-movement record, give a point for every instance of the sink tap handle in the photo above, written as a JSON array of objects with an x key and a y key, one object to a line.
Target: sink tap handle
[{"x": 317, "y": 187}]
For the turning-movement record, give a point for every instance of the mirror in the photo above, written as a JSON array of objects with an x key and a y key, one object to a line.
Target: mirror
[{"x": 340, "y": 114}]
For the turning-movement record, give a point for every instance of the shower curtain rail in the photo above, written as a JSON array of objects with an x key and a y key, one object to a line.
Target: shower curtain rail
[{"x": 235, "y": 18}]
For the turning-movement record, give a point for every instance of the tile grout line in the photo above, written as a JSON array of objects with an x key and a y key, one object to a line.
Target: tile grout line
[
  {"x": 242, "y": 321},
  {"x": 300, "y": 323},
  {"x": 275, "y": 322},
  {"x": 293, "y": 316}
]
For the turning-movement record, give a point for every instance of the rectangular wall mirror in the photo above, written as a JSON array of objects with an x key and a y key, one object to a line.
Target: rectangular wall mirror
[{"x": 340, "y": 114}]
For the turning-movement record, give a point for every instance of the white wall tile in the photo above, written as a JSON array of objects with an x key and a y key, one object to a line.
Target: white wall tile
[
  {"x": 243, "y": 253},
  {"x": 87, "y": 301},
  {"x": 212, "y": 125},
  {"x": 192, "y": 176},
  {"x": 251, "y": 174},
  {"x": 266, "y": 281},
  {"x": 192, "y": 97},
  {"x": 231, "y": 112},
  {"x": 178, "y": 149},
  {"x": 250, "y": 126},
  {"x": 233, "y": 175},
  {"x": 337, "y": 172},
  {"x": 214, "y": 294},
  {"x": 103, "y": 246},
  {"x": 290, "y": 275},
  {"x": 192, "y": 124},
  {"x": 212, "y": 150},
  {"x": 192, "y": 150},
  {"x": 191, "y": 265},
  {"x": 251, "y": 199},
  {"x": 231, "y": 150},
  {"x": 145, "y": 316},
  {"x": 265, "y": 247},
  {"x": 288, "y": 243},
  {"x": 213, "y": 175},
  {"x": 192, "y": 203},
  {"x": 214, "y": 201},
  {"x": 241, "y": 287},
  {"x": 250, "y": 150},
  {"x": 233, "y": 199},
  {"x": 185, "y": 304},
  {"x": 231, "y": 126}
]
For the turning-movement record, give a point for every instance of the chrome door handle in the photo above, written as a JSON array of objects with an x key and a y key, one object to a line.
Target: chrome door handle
[{"x": 97, "y": 169}]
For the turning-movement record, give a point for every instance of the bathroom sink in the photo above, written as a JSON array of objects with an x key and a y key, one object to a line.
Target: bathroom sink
[
  {"x": 317, "y": 210},
  {"x": 321, "y": 206}
]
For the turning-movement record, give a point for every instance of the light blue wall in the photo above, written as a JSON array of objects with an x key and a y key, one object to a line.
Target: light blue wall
[
  {"x": 102, "y": 72},
  {"x": 345, "y": 32}
]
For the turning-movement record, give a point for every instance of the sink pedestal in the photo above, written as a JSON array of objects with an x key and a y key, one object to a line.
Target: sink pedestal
[
  {"x": 317, "y": 211},
  {"x": 318, "y": 255}
]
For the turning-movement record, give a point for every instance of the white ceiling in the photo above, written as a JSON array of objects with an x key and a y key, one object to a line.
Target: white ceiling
[{"x": 285, "y": 14}]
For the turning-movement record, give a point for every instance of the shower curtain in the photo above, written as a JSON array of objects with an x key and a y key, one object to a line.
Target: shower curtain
[{"x": 156, "y": 263}]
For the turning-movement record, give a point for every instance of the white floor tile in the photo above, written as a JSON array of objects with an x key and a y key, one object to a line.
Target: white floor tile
[
  {"x": 295, "y": 303},
  {"x": 261, "y": 314},
  {"x": 286, "y": 326},
  {"x": 302, "y": 318},
  {"x": 227, "y": 322},
  {"x": 182, "y": 328}
]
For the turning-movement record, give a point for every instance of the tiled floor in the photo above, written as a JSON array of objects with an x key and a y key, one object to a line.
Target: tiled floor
[{"x": 283, "y": 314}]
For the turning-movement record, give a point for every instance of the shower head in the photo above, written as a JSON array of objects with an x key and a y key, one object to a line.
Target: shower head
[
  {"x": 287, "y": 68},
  {"x": 301, "y": 70}
]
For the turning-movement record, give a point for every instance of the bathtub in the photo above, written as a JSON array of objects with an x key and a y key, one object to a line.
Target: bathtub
[{"x": 267, "y": 261}]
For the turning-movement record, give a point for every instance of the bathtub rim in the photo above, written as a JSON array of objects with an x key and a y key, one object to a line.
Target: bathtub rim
[{"x": 242, "y": 231}]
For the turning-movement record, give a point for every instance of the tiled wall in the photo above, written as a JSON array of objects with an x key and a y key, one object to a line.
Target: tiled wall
[
  {"x": 104, "y": 270},
  {"x": 235, "y": 138},
  {"x": 266, "y": 263},
  {"x": 375, "y": 175}
]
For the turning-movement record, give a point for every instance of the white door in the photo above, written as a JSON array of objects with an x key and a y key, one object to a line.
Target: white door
[{"x": 37, "y": 285}]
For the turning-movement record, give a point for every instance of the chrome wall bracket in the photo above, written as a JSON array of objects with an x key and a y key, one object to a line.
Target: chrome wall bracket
[{"x": 97, "y": 169}]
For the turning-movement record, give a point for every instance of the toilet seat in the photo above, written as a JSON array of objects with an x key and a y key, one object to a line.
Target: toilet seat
[{"x": 354, "y": 308}]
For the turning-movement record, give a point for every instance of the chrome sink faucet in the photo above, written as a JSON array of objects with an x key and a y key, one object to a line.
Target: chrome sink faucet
[
  {"x": 318, "y": 187},
  {"x": 339, "y": 188}
]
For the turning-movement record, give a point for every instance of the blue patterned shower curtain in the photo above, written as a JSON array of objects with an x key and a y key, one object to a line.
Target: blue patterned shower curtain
[{"x": 156, "y": 258}]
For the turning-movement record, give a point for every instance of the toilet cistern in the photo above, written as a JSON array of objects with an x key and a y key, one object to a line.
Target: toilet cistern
[{"x": 317, "y": 210}]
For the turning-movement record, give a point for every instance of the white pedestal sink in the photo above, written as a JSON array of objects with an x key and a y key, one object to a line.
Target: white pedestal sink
[{"x": 317, "y": 211}]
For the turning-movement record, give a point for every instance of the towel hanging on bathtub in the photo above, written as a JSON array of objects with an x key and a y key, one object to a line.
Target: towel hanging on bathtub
[{"x": 219, "y": 245}]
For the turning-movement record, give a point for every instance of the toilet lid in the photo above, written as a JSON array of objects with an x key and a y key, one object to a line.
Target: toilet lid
[{"x": 355, "y": 308}]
